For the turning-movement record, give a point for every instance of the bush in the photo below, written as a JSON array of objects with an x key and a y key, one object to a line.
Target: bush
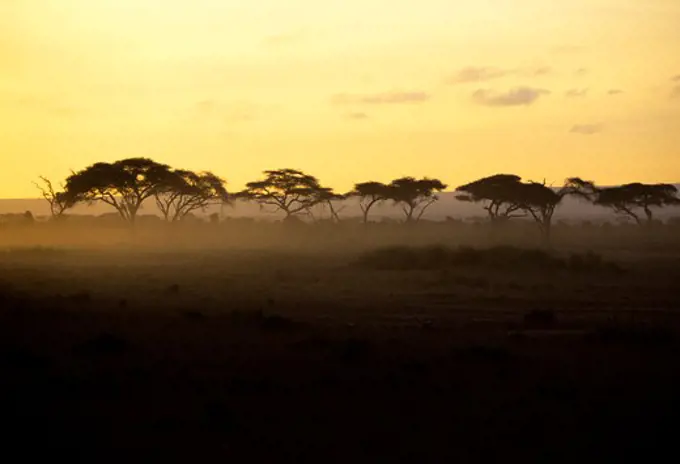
[
  {"x": 633, "y": 334},
  {"x": 502, "y": 257},
  {"x": 540, "y": 318}
]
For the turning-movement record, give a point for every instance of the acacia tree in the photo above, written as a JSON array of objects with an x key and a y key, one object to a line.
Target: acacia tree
[
  {"x": 414, "y": 195},
  {"x": 184, "y": 191},
  {"x": 287, "y": 190},
  {"x": 540, "y": 202},
  {"x": 124, "y": 184},
  {"x": 506, "y": 196},
  {"x": 327, "y": 198},
  {"x": 629, "y": 199},
  {"x": 369, "y": 194},
  {"x": 59, "y": 201},
  {"x": 498, "y": 195}
]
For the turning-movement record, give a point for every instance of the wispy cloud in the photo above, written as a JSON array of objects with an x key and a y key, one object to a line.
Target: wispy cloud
[
  {"x": 472, "y": 74},
  {"x": 387, "y": 98},
  {"x": 540, "y": 71},
  {"x": 613, "y": 92},
  {"x": 576, "y": 93},
  {"x": 519, "y": 96},
  {"x": 676, "y": 78},
  {"x": 587, "y": 129},
  {"x": 357, "y": 116},
  {"x": 477, "y": 74},
  {"x": 581, "y": 72}
]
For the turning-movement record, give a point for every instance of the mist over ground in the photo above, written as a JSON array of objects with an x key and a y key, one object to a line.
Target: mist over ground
[{"x": 570, "y": 209}]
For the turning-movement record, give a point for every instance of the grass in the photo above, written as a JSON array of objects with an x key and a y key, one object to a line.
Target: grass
[
  {"x": 478, "y": 354},
  {"x": 505, "y": 258}
]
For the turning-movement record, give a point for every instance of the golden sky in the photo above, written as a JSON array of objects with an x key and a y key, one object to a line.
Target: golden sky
[{"x": 348, "y": 90}]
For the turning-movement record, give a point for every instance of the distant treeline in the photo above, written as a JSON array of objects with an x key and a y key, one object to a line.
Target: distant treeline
[{"x": 126, "y": 184}]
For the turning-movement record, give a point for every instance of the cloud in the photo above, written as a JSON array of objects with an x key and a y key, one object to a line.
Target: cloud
[
  {"x": 477, "y": 74},
  {"x": 613, "y": 92},
  {"x": 587, "y": 129},
  {"x": 486, "y": 73},
  {"x": 581, "y": 71},
  {"x": 387, "y": 98},
  {"x": 519, "y": 96},
  {"x": 576, "y": 93},
  {"x": 357, "y": 116},
  {"x": 541, "y": 71},
  {"x": 675, "y": 93}
]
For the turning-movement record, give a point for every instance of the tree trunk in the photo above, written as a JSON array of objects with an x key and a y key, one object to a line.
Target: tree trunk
[
  {"x": 546, "y": 228},
  {"x": 334, "y": 214}
]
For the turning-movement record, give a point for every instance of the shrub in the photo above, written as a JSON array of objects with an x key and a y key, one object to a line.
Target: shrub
[
  {"x": 633, "y": 334},
  {"x": 540, "y": 318},
  {"x": 501, "y": 257}
]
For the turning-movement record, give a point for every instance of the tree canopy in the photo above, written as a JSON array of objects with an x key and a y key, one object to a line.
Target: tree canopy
[
  {"x": 124, "y": 184},
  {"x": 629, "y": 199},
  {"x": 369, "y": 194},
  {"x": 327, "y": 198},
  {"x": 183, "y": 192},
  {"x": 414, "y": 195},
  {"x": 288, "y": 190},
  {"x": 505, "y": 196},
  {"x": 498, "y": 193},
  {"x": 540, "y": 201}
]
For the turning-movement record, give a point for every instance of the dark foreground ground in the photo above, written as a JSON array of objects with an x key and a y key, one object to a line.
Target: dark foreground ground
[{"x": 267, "y": 357}]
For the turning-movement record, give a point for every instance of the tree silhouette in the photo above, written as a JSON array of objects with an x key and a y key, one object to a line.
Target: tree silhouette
[
  {"x": 59, "y": 201},
  {"x": 540, "y": 202},
  {"x": 506, "y": 196},
  {"x": 369, "y": 194},
  {"x": 327, "y": 198},
  {"x": 629, "y": 199},
  {"x": 124, "y": 184},
  {"x": 414, "y": 195},
  {"x": 497, "y": 193},
  {"x": 287, "y": 190},
  {"x": 184, "y": 191}
]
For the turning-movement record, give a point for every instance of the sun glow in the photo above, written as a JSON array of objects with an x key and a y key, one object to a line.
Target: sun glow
[{"x": 238, "y": 87}]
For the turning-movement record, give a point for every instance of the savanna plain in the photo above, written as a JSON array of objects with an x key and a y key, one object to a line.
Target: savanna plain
[{"x": 270, "y": 342}]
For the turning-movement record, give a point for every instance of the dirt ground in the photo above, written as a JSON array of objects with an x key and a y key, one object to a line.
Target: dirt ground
[{"x": 273, "y": 356}]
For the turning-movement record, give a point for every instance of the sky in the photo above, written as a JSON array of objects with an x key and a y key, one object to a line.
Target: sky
[{"x": 346, "y": 90}]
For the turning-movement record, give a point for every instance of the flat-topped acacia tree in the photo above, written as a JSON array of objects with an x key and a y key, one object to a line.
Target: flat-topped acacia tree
[
  {"x": 288, "y": 190},
  {"x": 124, "y": 184},
  {"x": 540, "y": 202},
  {"x": 505, "y": 196},
  {"x": 628, "y": 199},
  {"x": 327, "y": 198},
  {"x": 183, "y": 192},
  {"x": 414, "y": 195},
  {"x": 497, "y": 194},
  {"x": 370, "y": 194}
]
